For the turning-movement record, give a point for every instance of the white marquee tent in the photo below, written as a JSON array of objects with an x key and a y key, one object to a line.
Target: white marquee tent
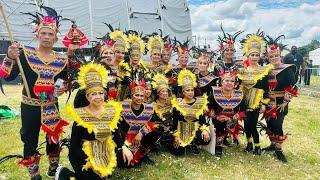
[
  {"x": 147, "y": 16},
  {"x": 315, "y": 56}
]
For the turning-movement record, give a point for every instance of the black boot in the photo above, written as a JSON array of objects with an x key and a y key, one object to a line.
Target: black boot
[
  {"x": 37, "y": 177},
  {"x": 257, "y": 150},
  {"x": 53, "y": 163},
  {"x": 63, "y": 173},
  {"x": 218, "y": 151},
  {"x": 272, "y": 147},
  {"x": 194, "y": 149},
  {"x": 279, "y": 154},
  {"x": 249, "y": 148},
  {"x": 147, "y": 160},
  {"x": 226, "y": 142}
]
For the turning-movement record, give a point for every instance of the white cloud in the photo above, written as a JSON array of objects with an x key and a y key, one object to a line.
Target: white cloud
[{"x": 300, "y": 24}]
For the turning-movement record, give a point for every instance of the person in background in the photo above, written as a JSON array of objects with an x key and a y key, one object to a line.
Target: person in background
[
  {"x": 308, "y": 72},
  {"x": 294, "y": 57}
]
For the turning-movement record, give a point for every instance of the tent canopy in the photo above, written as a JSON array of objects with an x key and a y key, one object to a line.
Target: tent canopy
[{"x": 171, "y": 16}]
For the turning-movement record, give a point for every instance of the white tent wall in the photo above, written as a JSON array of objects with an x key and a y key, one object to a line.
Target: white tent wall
[
  {"x": 315, "y": 57},
  {"x": 147, "y": 16},
  {"x": 142, "y": 19},
  {"x": 17, "y": 22},
  {"x": 176, "y": 19}
]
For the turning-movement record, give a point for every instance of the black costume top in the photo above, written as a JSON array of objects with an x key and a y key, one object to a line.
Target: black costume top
[
  {"x": 135, "y": 121},
  {"x": 227, "y": 106},
  {"x": 254, "y": 84},
  {"x": 94, "y": 139},
  {"x": 189, "y": 118},
  {"x": 41, "y": 77},
  {"x": 281, "y": 81},
  {"x": 129, "y": 74},
  {"x": 221, "y": 105},
  {"x": 163, "y": 112},
  {"x": 205, "y": 83}
]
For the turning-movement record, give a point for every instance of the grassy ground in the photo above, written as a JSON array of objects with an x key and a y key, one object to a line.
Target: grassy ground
[
  {"x": 302, "y": 150},
  {"x": 314, "y": 83}
]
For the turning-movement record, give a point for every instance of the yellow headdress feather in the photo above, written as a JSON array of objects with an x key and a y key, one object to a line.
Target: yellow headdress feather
[
  {"x": 155, "y": 45},
  {"x": 136, "y": 44},
  {"x": 121, "y": 40},
  {"x": 160, "y": 82},
  {"x": 187, "y": 79},
  {"x": 92, "y": 76},
  {"x": 254, "y": 43}
]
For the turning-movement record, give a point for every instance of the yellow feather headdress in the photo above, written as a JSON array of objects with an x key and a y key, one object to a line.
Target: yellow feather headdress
[
  {"x": 92, "y": 77},
  {"x": 136, "y": 44},
  {"x": 254, "y": 43},
  {"x": 187, "y": 79},
  {"x": 160, "y": 82},
  {"x": 121, "y": 40},
  {"x": 155, "y": 45}
]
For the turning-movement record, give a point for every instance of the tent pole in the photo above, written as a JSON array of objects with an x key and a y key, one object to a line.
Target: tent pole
[
  {"x": 25, "y": 83},
  {"x": 129, "y": 22},
  {"x": 90, "y": 18}
]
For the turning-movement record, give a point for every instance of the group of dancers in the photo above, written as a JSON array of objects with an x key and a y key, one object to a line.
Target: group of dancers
[{"x": 125, "y": 108}]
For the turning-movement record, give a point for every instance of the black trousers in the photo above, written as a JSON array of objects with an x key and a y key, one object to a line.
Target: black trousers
[
  {"x": 275, "y": 124},
  {"x": 250, "y": 125},
  {"x": 221, "y": 131},
  {"x": 181, "y": 150},
  {"x": 307, "y": 76},
  {"x": 29, "y": 132},
  {"x": 147, "y": 143}
]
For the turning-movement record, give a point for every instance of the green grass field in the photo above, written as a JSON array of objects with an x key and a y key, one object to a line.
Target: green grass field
[{"x": 302, "y": 150}]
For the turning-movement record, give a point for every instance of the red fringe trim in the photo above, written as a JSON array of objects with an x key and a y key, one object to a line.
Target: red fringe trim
[
  {"x": 137, "y": 157},
  {"x": 3, "y": 74},
  {"x": 129, "y": 137},
  {"x": 29, "y": 161},
  {"x": 271, "y": 113},
  {"x": 291, "y": 90},
  {"x": 277, "y": 139},
  {"x": 58, "y": 130},
  {"x": 241, "y": 114},
  {"x": 38, "y": 89},
  {"x": 272, "y": 85},
  {"x": 74, "y": 65},
  {"x": 236, "y": 131},
  {"x": 151, "y": 126}
]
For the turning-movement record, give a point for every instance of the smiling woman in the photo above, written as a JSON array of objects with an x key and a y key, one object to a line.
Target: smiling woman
[{"x": 94, "y": 137}]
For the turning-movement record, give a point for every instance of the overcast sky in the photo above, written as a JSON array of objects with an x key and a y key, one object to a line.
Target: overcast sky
[{"x": 298, "y": 20}]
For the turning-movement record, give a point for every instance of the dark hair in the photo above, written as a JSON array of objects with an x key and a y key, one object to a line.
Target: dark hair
[{"x": 80, "y": 99}]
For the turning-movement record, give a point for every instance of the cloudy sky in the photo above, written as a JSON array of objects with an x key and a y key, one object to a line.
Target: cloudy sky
[{"x": 298, "y": 20}]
